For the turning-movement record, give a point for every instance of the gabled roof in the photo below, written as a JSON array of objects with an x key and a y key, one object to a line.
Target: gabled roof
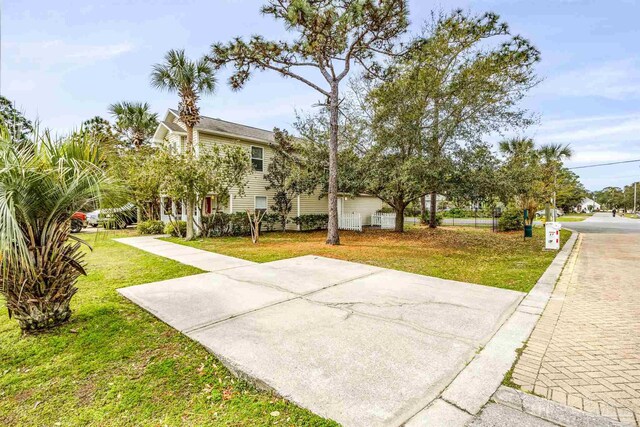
[
  {"x": 213, "y": 125},
  {"x": 172, "y": 126}
]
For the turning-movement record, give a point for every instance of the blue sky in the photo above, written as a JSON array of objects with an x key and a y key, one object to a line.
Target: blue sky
[{"x": 67, "y": 61}]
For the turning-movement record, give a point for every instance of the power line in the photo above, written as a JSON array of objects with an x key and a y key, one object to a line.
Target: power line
[{"x": 605, "y": 164}]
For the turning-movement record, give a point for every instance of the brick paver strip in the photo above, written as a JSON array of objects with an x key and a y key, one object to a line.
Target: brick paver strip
[{"x": 585, "y": 350}]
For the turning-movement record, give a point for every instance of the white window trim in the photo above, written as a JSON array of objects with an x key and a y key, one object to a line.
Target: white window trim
[
  {"x": 266, "y": 199},
  {"x": 252, "y": 158}
]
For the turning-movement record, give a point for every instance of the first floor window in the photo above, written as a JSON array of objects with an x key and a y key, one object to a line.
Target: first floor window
[{"x": 261, "y": 203}]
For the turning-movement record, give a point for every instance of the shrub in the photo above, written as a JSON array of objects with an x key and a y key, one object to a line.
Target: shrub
[
  {"x": 427, "y": 217},
  {"x": 312, "y": 221},
  {"x": 151, "y": 227},
  {"x": 224, "y": 224},
  {"x": 271, "y": 221},
  {"x": 511, "y": 219},
  {"x": 180, "y": 231}
]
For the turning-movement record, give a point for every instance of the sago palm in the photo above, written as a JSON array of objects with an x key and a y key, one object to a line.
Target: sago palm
[
  {"x": 41, "y": 185},
  {"x": 134, "y": 121},
  {"x": 189, "y": 79}
]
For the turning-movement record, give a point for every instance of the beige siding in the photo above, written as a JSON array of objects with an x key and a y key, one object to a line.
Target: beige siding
[
  {"x": 310, "y": 204},
  {"x": 255, "y": 180},
  {"x": 256, "y": 184},
  {"x": 364, "y": 205}
]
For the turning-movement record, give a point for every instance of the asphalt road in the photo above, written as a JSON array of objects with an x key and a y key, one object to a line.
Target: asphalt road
[{"x": 604, "y": 222}]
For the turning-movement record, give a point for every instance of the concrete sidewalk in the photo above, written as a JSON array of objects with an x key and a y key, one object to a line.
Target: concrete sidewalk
[{"x": 204, "y": 260}]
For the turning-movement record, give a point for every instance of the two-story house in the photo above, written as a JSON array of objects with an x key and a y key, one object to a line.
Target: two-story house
[{"x": 259, "y": 143}]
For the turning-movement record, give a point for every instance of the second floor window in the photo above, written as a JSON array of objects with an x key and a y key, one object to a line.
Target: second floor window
[{"x": 257, "y": 158}]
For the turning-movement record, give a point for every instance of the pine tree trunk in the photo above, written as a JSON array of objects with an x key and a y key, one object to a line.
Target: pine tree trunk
[
  {"x": 432, "y": 210},
  {"x": 423, "y": 209},
  {"x": 332, "y": 227},
  {"x": 189, "y": 201}
]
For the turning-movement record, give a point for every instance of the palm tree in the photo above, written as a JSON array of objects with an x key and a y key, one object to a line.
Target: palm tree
[
  {"x": 552, "y": 156},
  {"x": 134, "y": 121},
  {"x": 40, "y": 189},
  {"x": 190, "y": 79},
  {"x": 517, "y": 146},
  {"x": 522, "y": 172}
]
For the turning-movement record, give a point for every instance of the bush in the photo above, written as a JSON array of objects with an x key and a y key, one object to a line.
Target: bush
[
  {"x": 151, "y": 227},
  {"x": 511, "y": 219},
  {"x": 427, "y": 217},
  {"x": 181, "y": 230},
  {"x": 224, "y": 224},
  {"x": 271, "y": 221},
  {"x": 312, "y": 221}
]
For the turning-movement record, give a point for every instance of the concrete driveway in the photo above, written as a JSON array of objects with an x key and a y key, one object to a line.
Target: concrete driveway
[{"x": 361, "y": 345}]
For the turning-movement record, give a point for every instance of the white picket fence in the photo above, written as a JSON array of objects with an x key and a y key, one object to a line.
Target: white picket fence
[
  {"x": 351, "y": 221},
  {"x": 386, "y": 221}
]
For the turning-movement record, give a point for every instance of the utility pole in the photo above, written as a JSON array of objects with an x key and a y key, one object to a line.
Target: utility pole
[{"x": 635, "y": 196}]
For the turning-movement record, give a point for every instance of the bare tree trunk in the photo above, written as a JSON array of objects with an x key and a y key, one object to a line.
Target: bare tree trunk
[
  {"x": 332, "y": 227},
  {"x": 432, "y": 210},
  {"x": 423, "y": 209},
  {"x": 190, "y": 202},
  {"x": 400, "y": 219}
]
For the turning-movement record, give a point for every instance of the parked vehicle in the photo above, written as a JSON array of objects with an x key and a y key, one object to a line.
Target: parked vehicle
[
  {"x": 559, "y": 213},
  {"x": 118, "y": 218},
  {"x": 93, "y": 217},
  {"x": 78, "y": 222}
]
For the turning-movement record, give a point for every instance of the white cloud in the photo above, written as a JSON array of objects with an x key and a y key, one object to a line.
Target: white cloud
[
  {"x": 50, "y": 54},
  {"x": 609, "y": 131},
  {"x": 595, "y": 139},
  {"x": 617, "y": 80}
]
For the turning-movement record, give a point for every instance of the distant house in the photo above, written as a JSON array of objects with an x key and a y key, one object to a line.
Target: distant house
[
  {"x": 259, "y": 143},
  {"x": 587, "y": 205}
]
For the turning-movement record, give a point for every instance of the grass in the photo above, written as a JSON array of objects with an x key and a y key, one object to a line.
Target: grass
[
  {"x": 574, "y": 217},
  {"x": 114, "y": 364},
  {"x": 459, "y": 253}
]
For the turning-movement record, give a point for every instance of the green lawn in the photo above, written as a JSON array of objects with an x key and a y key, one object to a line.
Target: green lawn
[
  {"x": 574, "y": 217},
  {"x": 467, "y": 254},
  {"x": 116, "y": 365}
]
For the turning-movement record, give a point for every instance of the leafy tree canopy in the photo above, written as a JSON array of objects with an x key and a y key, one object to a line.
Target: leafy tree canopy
[{"x": 14, "y": 122}]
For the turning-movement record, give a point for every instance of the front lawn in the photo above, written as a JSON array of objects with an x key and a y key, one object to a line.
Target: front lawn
[
  {"x": 466, "y": 254},
  {"x": 116, "y": 365},
  {"x": 574, "y": 217}
]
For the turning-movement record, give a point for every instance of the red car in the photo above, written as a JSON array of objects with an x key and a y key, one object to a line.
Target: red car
[{"x": 78, "y": 222}]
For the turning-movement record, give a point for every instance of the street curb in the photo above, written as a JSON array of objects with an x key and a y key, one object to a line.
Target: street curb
[
  {"x": 474, "y": 386},
  {"x": 549, "y": 410}
]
